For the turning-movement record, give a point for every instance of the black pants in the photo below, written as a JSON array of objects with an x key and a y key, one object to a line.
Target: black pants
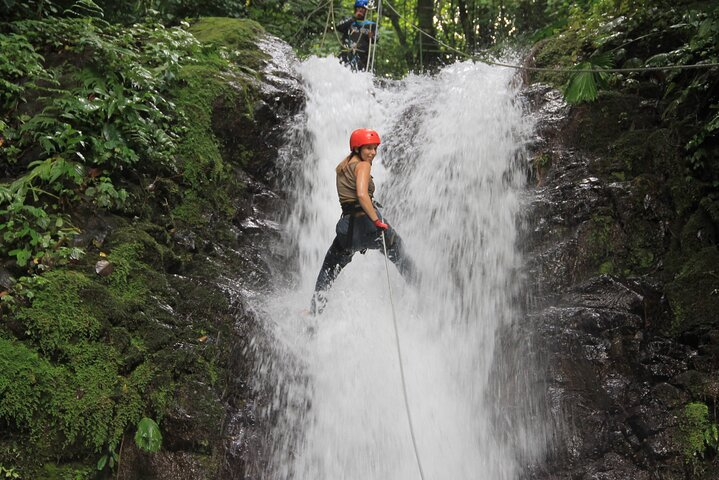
[
  {"x": 357, "y": 60},
  {"x": 357, "y": 234}
]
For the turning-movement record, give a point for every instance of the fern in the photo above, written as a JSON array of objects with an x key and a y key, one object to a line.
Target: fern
[{"x": 583, "y": 86}]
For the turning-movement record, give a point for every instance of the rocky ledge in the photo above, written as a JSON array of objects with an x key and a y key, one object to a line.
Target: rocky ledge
[{"x": 631, "y": 378}]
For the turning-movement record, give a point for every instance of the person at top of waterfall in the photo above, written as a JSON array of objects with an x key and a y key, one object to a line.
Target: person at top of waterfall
[
  {"x": 357, "y": 36},
  {"x": 361, "y": 225}
]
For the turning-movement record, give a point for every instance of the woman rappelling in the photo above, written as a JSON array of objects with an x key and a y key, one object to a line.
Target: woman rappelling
[{"x": 361, "y": 225}]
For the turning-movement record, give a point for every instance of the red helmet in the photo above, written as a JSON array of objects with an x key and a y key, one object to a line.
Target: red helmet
[{"x": 363, "y": 136}]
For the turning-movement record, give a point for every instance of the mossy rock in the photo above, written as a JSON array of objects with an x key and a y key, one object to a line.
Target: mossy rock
[
  {"x": 200, "y": 430},
  {"x": 695, "y": 423},
  {"x": 58, "y": 316},
  {"x": 559, "y": 51},
  {"x": 694, "y": 293},
  {"x": 204, "y": 170},
  {"x": 596, "y": 127},
  {"x": 145, "y": 242},
  {"x": 698, "y": 232},
  {"x": 239, "y": 35},
  {"x": 636, "y": 152}
]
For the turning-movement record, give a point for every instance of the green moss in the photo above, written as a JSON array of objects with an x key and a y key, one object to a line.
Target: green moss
[
  {"x": 239, "y": 35},
  {"x": 692, "y": 293},
  {"x": 557, "y": 51},
  {"x": 607, "y": 268},
  {"x": 641, "y": 258},
  {"x": 619, "y": 176},
  {"x": 86, "y": 390},
  {"x": 191, "y": 212},
  {"x": 697, "y": 432},
  {"x": 81, "y": 404},
  {"x": 83, "y": 400},
  {"x": 199, "y": 148},
  {"x": 203, "y": 168},
  {"x": 72, "y": 471},
  {"x": 24, "y": 379},
  {"x": 58, "y": 315},
  {"x": 599, "y": 240},
  {"x": 144, "y": 242}
]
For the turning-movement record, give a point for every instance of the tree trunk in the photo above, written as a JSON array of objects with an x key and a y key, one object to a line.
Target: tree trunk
[
  {"x": 467, "y": 25},
  {"x": 428, "y": 48},
  {"x": 394, "y": 18}
]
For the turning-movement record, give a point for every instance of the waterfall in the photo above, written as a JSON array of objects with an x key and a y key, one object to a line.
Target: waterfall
[{"x": 450, "y": 175}]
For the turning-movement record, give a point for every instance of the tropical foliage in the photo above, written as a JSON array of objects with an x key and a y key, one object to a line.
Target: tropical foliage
[
  {"x": 104, "y": 103},
  {"x": 96, "y": 121}
]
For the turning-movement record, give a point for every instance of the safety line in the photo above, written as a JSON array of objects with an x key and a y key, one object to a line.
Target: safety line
[
  {"x": 327, "y": 26},
  {"x": 401, "y": 366},
  {"x": 309, "y": 16},
  {"x": 551, "y": 69},
  {"x": 373, "y": 41}
]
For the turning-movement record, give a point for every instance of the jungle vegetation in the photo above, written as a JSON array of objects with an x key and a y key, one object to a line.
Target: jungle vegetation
[{"x": 100, "y": 106}]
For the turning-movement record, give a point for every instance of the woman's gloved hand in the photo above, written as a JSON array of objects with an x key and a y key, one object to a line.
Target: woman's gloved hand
[{"x": 380, "y": 224}]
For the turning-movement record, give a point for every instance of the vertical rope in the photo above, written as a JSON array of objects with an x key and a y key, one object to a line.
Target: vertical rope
[
  {"x": 401, "y": 365},
  {"x": 376, "y": 33},
  {"x": 327, "y": 26}
]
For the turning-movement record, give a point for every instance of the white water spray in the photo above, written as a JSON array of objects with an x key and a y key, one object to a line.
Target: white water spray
[{"x": 453, "y": 192}]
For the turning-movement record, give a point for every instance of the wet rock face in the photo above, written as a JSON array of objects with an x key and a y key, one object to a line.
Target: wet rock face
[
  {"x": 252, "y": 139},
  {"x": 620, "y": 381},
  {"x": 211, "y": 430}
]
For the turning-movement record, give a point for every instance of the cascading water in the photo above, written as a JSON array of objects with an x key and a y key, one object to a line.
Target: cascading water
[{"x": 450, "y": 177}]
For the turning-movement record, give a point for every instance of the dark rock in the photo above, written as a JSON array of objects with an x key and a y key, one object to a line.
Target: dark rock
[
  {"x": 692, "y": 381},
  {"x": 278, "y": 96},
  {"x": 187, "y": 239},
  {"x": 7, "y": 280},
  {"x": 613, "y": 466},
  {"x": 94, "y": 229},
  {"x": 616, "y": 376},
  {"x": 606, "y": 292},
  {"x": 194, "y": 420},
  {"x": 162, "y": 465},
  {"x": 103, "y": 268}
]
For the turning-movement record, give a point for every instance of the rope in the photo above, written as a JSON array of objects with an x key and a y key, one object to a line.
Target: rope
[
  {"x": 553, "y": 69},
  {"x": 401, "y": 366},
  {"x": 308, "y": 17},
  {"x": 373, "y": 43},
  {"x": 327, "y": 26},
  {"x": 334, "y": 22},
  {"x": 370, "y": 45}
]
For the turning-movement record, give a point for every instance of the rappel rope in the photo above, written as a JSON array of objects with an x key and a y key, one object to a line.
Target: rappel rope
[
  {"x": 401, "y": 365},
  {"x": 372, "y": 53}
]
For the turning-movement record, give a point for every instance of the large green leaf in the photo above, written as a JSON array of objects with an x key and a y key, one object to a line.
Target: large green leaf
[
  {"x": 148, "y": 436},
  {"x": 582, "y": 86},
  {"x": 590, "y": 76}
]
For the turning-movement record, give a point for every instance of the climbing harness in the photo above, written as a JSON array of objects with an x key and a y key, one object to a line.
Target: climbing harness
[
  {"x": 372, "y": 49},
  {"x": 401, "y": 366}
]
